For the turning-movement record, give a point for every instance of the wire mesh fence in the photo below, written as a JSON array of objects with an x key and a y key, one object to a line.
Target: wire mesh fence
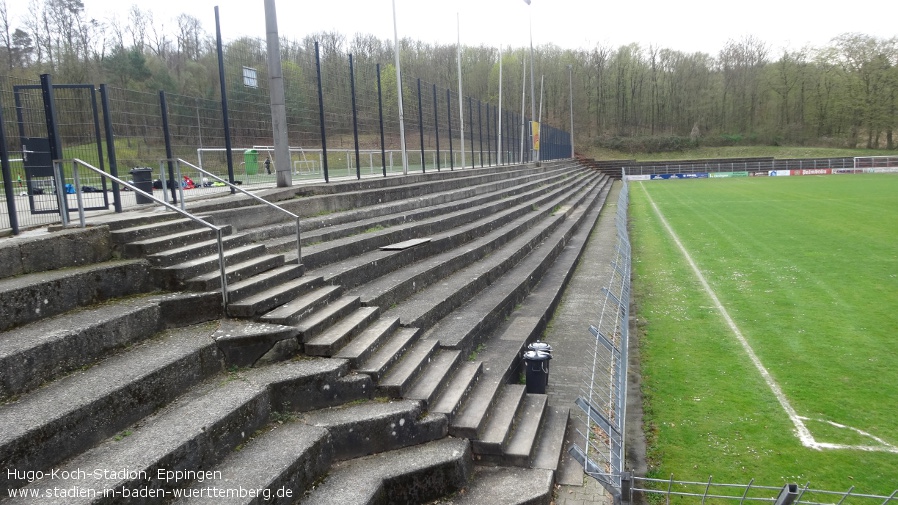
[
  {"x": 676, "y": 491},
  {"x": 342, "y": 116},
  {"x": 599, "y": 444}
]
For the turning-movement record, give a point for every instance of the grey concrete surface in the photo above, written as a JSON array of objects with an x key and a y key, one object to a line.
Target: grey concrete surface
[{"x": 568, "y": 334}]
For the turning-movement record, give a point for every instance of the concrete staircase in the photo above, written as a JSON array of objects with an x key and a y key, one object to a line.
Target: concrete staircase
[{"x": 383, "y": 368}]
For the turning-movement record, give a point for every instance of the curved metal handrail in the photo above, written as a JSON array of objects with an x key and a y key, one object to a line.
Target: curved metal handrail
[{"x": 178, "y": 161}]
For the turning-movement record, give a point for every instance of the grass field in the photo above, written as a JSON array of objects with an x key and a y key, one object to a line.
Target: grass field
[
  {"x": 781, "y": 152},
  {"x": 807, "y": 269}
]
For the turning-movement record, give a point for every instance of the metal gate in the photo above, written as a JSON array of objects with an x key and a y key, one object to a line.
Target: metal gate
[{"x": 76, "y": 126}]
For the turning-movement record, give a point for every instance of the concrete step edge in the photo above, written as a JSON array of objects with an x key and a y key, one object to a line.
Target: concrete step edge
[
  {"x": 417, "y": 474},
  {"x": 60, "y": 420},
  {"x": 369, "y": 341},
  {"x": 404, "y": 372},
  {"x": 295, "y": 310},
  {"x": 392, "y": 350},
  {"x": 273, "y": 297},
  {"x": 331, "y": 340},
  {"x": 527, "y": 426},
  {"x": 322, "y": 319},
  {"x": 500, "y": 424},
  {"x": 459, "y": 388},
  {"x": 433, "y": 379}
]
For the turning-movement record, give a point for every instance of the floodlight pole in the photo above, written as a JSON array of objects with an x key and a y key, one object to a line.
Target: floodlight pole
[
  {"x": 461, "y": 104},
  {"x": 399, "y": 90},
  {"x": 283, "y": 170},
  {"x": 499, "y": 111},
  {"x": 570, "y": 76},
  {"x": 542, "y": 81},
  {"x": 523, "y": 101},
  {"x": 535, "y": 154}
]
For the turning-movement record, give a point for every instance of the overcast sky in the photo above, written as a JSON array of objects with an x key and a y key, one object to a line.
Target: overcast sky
[{"x": 685, "y": 25}]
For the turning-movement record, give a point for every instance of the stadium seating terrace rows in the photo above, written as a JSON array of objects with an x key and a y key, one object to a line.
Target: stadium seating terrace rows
[{"x": 384, "y": 367}]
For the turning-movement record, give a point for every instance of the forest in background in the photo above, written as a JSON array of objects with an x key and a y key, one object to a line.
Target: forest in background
[{"x": 629, "y": 98}]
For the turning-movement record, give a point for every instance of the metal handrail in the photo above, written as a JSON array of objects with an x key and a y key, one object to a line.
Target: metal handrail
[
  {"x": 217, "y": 229},
  {"x": 178, "y": 161}
]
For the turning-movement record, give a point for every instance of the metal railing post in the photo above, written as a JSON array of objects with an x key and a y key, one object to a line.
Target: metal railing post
[
  {"x": 78, "y": 196},
  {"x": 787, "y": 495},
  {"x": 60, "y": 192},
  {"x": 626, "y": 488},
  {"x": 222, "y": 269}
]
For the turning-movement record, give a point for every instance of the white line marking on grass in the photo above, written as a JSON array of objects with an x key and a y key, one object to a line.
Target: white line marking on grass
[{"x": 801, "y": 430}]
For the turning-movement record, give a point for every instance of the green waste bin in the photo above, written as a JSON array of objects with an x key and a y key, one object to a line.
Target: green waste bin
[{"x": 251, "y": 161}]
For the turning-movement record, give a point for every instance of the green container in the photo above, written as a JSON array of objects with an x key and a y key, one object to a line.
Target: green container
[{"x": 251, "y": 161}]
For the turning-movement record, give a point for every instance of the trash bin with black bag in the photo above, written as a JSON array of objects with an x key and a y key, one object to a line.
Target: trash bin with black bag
[
  {"x": 536, "y": 370},
  {"x": 142, "y": 178}
]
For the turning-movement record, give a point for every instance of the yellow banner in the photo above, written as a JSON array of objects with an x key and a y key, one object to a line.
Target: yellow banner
[{"x": 534, "y": 130}]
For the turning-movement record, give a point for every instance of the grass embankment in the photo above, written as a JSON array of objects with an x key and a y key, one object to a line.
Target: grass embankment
[{"x": 808, "y": 269}]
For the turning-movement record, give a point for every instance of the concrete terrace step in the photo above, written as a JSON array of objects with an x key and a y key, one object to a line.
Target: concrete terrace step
[
  {"x": 263, "y": 302},
  {"x": 548, "y": 452},
  {"x": 433, "y": 379},
  {"x": 473, "y": 415},
  {"x": 282, "y": 463},
  {"x": 289, "y": 457},
  {"x": 146, "y": 246},
  {"x": 446, "y": 254},
  {"x": 417, "y": 474},
  {"x": 175, "y": 276},
  {"x": 243, "y": 343},
  {"x": 319, "y": 255},
  {"x": 128, "y": 230},
  {"x": 500, "y": 425},
  {"x": 369, "y": 266},
  {"x": 429, "y": 305},
  {"x": 334, "y": 338},
  {"x": 207, "y": 422},
  {"x": 362, "y": 429},
  {"x": 344, "y": 201},
  {"x": 506, "y": 486},
  {"x": 352, "y": 202},
  {"x": 402, "y": 375},
  {"x": 47, "y": 349},
  {"x": 295, "y": 310},
  {"x": 401, "y": 212},
  {"x": 486, "y": 308},
  {"x": 322, "y": 319},
  {"x": 458, "y": 389},
  {"x": 528, "y": 424},
  {"x": 433, "y": 303},
  {"x": 196, "y": 250},
  {"x": 71, "y": 414},
  {"x": 258, "y": 283},
  {"x": 31, "y": 297},
  {"x": 391, "y": 351},
  {"x": 235, "y": 272},
  {"x": 369, "y": 341}
]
